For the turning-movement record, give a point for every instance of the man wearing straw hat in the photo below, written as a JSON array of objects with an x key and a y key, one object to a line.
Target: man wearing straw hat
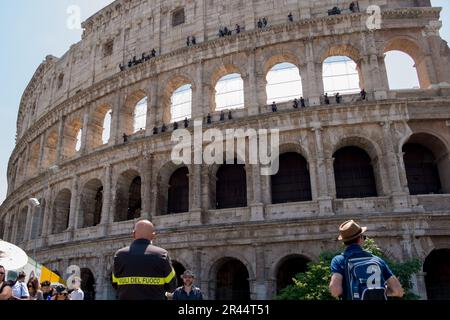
[{"x": 357, "y": 274}]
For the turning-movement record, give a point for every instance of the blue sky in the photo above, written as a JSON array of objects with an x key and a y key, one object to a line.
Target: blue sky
[{"x": 32, "y": 29}]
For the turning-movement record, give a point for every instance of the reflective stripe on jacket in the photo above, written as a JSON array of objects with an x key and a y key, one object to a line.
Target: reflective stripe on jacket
[{"x": 143, "y": 271}]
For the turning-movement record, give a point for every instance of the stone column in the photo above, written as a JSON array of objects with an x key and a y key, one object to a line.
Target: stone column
[
  {"x": 14, "y": 225},
  {"x": 256, "y": 205},
  {"x": 47, "y": 219},
  {"x": 29, "y": 224},
  {"x": 260, "y": 290},
  {"x": 399, "y": 197},
  {"x": 59, "y": 147},
  {"x": 41, "y": 152},
  {"x": 74, "y": 201},
  {"x": 152, "y": 109},
  {"x": 250, "y": 85},
  {"x": 116, "y": 135},
  {"x": 312, "y": 78},
  {"x": 106, "y": 207},
  {"x": 439, "y": 64},
  {"x": 84, "y": 132},
  {"x": 195, "y": 187},
  {"x": 205, "y": 185},
  {"x": 26, "y": 163},
  {"x": 197, "y": 102},
  {"x": 374, "y": 72},
  {"x": 147, "y": 175},
  {"x": 322, "y": 167},
  {"x": 197, "y": 265},
  {"x": 8, "y": 227}
]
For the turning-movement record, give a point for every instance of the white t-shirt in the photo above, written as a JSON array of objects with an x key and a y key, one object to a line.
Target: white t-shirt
[
  {"x": 20, "y": 290},
  {"x": 77, "y": 294}
]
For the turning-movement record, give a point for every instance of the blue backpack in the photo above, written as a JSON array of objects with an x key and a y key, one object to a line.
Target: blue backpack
[{"x": 364, "y": 277}]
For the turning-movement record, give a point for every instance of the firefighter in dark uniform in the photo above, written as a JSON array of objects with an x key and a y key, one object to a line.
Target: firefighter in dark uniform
[{"x": 143, "y": 271}]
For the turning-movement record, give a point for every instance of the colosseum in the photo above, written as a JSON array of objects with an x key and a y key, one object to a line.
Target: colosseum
[{"x": 94, "y": 141}]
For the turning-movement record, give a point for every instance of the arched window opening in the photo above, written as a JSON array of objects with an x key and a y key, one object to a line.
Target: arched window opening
[
  {"x": 230, "y": 92},
  {"x": 292, "y": 183},
  {"x": 231, "y": 186},
  {"x": 232, "y": 282},
  {"x": 37, "y": 220},
  {"x": 106, "y": 134},
  {"x": 178, "y": 197},
  {"x": 284, "y": 83},
  {"x": 140, "y": 115},
  {"x": 354, "y": 175},
  {"x": 421, "y": 170},
  {"x": 288, "y": 269},
  {"x": 128, "y": 196},
  {"x": 401, "y": 71},
  {"x": 78, "y": 140},
  {"x": 21, "y": 225},
  {"x": 61, "y": 211},
  {"x": 135, "y": 201},
  {"x": 181, "y": 103},
  {"x": 340, "y": 75}
]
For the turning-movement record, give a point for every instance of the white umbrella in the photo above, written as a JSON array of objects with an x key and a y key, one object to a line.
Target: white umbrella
[{"x": 11, "y": 256}]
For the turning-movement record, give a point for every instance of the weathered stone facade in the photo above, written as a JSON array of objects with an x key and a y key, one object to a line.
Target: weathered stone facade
[{"x": 76, "y": 90}]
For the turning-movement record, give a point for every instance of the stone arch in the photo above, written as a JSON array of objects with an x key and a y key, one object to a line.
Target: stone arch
[
  {"x": 411, "y": 47},
  {"x": 280, "y": 57},
  {"x": 61, "y": 211},
  {"x": 91, "y": 204},
  {"x": 71, "y": 135},
  {"x": 21, "y": 222},
  {"x": 276, "y": 66},
  {"x": 164, "y": 176},
  {"x": 216, "y": 285},
  {"x": 287, "y": 268},
  {"x": 341, "y": 50},
  {"x": 440, "y": 151},
  {"x": 99, "y": 113},
  {"x": 127, "y": 114},
  {"x": 372, "y": 148},
  {"x": 128, "y": 201},
  {"x": 223, "y": 70},
  {"x": 171, "y": 85},
  {"x": 50, "y": 148}
]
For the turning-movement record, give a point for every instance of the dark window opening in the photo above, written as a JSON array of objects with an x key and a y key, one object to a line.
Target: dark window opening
[
  {"x": 292, "y": 183},
  {"x": 289, "y": 269},
  {"x": 232, "y": 281},
  {"x": 178, "y": 17},
  {"x": 135, "y": 201},
  {"x": 353, "y": 173},
  {"x": 231, "y": 186},
  {"x": 421, "y": 170},
  {"x": 178, "y": 198},
  {"x": 437, "y": 279},
  {"x": 108, "y": 48}
]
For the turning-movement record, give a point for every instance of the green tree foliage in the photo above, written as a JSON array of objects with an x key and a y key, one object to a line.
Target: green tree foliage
[{"x": 313, "y": 284}]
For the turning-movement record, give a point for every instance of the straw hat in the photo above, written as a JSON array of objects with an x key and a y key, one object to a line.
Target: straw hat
[{"x": 350, "y": 230}]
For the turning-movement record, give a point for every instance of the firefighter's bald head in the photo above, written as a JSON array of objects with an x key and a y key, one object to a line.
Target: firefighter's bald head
[{"x": 144, "y": 229}]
